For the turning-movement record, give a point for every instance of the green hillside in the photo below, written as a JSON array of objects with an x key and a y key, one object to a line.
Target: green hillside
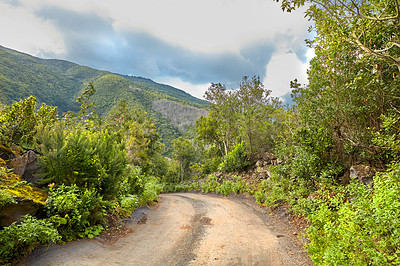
[{"x": 59, "y": 82}]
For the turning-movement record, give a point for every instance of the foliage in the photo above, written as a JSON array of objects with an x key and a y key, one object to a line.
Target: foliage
[
  {"x": 21, "y": 239},
  {"x": 152, "y": 189},
  {"x": 387, "y": 139},
  {"x": 88, "y": 159},
  {"x": 180, "y": 187},
  {"x": 236, "y": 160},
  {"x": 184, "y": 153},
  {"x": 127, "y": 204},
  {"x": 236, "y": 185},
  {"x": 18, "y": 122},
  {"x": 370, "y": 25},
  {"x": 12, "y": 188},
  {"x": 75, "y": 211},
  {"x": 138, "y": 131},
  {"x": 353, "y": 80},
  {"x": 357, "y": 225},
  {"x": 246, "y": 114},
  {"x": 133, "y": 182},
  {"x": 210, "y": 184}
]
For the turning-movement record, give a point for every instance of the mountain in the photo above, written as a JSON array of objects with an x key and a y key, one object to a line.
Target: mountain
[{"x": 59, "y": 83}]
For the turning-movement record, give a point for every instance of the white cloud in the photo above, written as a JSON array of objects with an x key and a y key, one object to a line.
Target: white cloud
[
  {"x": 21, "y": 30},
  {"x": 194, "y": 90},
  {"x": 210, "y": 26},
  {"x": 283, "y": 68},
  {"x": 217, "y": 29}
]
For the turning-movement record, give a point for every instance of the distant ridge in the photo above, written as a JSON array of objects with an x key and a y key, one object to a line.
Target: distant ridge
[{"x": 59, "y": 82}]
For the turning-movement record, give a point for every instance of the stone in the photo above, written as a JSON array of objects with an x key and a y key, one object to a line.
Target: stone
[
  {"x": 14, "y": 212},
  {"x": 26, "y": 167},
  {"x": 363, "y": 173},
  {"x": 259, "y": 163}
]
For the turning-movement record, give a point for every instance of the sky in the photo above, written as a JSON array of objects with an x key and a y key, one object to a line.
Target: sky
[{"x": 187, "y": 44}]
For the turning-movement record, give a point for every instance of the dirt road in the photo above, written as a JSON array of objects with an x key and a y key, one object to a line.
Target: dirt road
[{"x": 187, "y": 229}]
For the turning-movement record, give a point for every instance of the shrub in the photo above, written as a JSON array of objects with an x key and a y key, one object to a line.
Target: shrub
[
  {"x": 357, "y": 225},
  {"x": 74, "y": 211},
  {"x": 210, "y": 184},
  {"x": 18, "y": 121},
  {"x": 19, "y": 239},
  {"x": 260, "y": 196},
  {"x": 237, "y": 186},
  {"x": 151, "y": 191},
  {"x": 127, "y": 204},
  {"x": 235, "y": 160},
  {"x": 88, "y": 159},
  {"x": 133, "y": 181}
]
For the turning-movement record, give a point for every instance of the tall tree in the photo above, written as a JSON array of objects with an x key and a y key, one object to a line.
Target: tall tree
[
  {"x": 245, "y": 114},
  {"x": 371, "y": 25},
  {"x": 353, "y": 79},
  {"x": 184, "y": 152}
]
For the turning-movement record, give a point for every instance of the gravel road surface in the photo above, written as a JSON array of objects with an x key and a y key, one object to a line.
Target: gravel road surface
[{"x": 187, "y": 229}]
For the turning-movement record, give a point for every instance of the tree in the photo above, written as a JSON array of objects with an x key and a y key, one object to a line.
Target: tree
[
  {"x": 353, "y": 79},
  {"x": 371, "y": 25},
  {"x": 139, "y": 132},
  {"x": 184, "y": 152},
  {"x": 245, "y": 114}
]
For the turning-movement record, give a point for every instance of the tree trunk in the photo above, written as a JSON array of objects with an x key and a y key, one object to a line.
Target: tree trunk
[{"x": 181, "y": 171}]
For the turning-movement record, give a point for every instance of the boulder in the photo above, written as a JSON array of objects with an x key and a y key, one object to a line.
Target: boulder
[
  {"x": 14, "y": 212},
  {"x": 26, "y": 199},
  {"x": 26, "y": 167},
  {"x": 363, "y": 173},
  {"x": 259, "y": 163}
]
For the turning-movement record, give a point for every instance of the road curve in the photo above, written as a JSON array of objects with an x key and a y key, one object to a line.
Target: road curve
[{"x": 186, "y": 229}]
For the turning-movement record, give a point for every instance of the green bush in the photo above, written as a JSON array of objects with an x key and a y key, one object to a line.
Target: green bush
[
  {"x": 237, "y": 186},
  {"x": 133, "y": 181},
  {"x": 20, "y": 239},
  {"x": 75, "y": 211},
  {"x": 127, "y": 204},
  {"x": 151, "y": 192},
  {"x": 235, "y": 160},
  {"x": 357, "y": 225},
  {"x": 260, "y": 196},
  {"x": 18, "y": 122},
  {"x": 210, "y": 184},
  {"x": 88, "y": 159}
]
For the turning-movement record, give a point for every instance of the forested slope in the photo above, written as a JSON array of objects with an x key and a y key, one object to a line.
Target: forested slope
[{"x": 59, "y": 83}]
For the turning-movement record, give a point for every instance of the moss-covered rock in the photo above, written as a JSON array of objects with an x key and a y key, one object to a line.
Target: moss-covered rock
[{"x": 17, "y": 197}]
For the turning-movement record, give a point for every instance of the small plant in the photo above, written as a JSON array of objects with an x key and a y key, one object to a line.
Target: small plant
[
  {"x": 127, "y": 204},
  {"x": 210, "y": 184},
  {"x": 357, "y": 225},
  {"x": 74, "y": 210},
  {"x": 260, "y": 196},
  {"x": 18, "y": 239}
]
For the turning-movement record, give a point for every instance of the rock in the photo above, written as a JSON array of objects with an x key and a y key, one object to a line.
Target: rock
[
  {"x": 26, "y": 167},
  {"x": 269, "y": 156},
  {"x": 363, "y": 173},
  {"x": 14, "y": 212},
  {"x": 27, "y": 199},
  {"x": 259, "y": 163}
]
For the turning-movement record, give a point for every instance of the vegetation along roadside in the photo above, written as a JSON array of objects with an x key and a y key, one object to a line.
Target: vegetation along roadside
[{"x": 333, "y": 158}]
